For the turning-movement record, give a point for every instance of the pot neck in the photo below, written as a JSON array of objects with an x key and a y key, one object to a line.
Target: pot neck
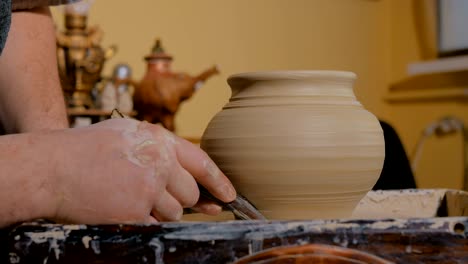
[{"x": 281, "y": 87}]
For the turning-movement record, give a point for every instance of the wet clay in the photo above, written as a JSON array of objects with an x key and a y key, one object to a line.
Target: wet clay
[
  {"x": 212, "y": 170},
  {"x": 146, "y": 146},
  {"x": 142, "y": 140},
  {"x": 297, "y": 144}
]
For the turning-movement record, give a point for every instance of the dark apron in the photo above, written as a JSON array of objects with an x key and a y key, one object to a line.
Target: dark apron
[{"x": 5, "y": 20}]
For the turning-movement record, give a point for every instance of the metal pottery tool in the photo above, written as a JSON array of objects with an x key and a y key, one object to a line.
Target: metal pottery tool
[{"x": 242, "y": 208}]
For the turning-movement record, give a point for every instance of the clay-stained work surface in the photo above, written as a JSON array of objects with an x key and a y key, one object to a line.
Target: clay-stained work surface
[
  {"x": 430, "y": 240},
  {"x": 412, "y": 203}
]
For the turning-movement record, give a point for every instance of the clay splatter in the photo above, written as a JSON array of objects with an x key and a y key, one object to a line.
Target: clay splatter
[{"x": 86, "y": 240}]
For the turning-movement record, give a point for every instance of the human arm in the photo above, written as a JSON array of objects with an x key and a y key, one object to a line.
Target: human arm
[
  {"x": 117, "y": 171},
  {"x": 30, "y": 92}
]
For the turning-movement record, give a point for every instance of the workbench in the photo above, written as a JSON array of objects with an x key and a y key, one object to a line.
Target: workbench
[
  {"x": 441, "y": 238},
  {"x": 438, "y": 240}
]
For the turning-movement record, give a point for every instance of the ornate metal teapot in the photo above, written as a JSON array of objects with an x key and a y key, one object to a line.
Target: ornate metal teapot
[{"x": 161, "y": 91}]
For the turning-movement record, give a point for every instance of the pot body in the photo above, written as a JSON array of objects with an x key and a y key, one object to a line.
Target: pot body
[{"x": 297, "y": 144}]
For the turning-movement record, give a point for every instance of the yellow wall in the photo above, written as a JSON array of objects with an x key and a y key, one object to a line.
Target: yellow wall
[
  {"x": 373, "y": 38},
  {"x": 246, "y": 35},
  {"x": 441, "y": 163}
]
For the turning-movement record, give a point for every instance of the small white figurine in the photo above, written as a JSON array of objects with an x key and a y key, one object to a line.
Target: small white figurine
[{"x": 117, "y": 93}]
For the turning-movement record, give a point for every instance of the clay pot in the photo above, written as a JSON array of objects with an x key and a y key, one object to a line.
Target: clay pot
[
  {"x": 313, "y": 253},
  {"x": 297, "y": 143}
]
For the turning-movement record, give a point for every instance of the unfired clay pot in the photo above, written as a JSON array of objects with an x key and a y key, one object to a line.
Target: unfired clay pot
[{"x": 297, "y": 143}]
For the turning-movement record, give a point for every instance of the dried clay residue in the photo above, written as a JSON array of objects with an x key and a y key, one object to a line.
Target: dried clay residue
[{"x": 55, "y": 237}]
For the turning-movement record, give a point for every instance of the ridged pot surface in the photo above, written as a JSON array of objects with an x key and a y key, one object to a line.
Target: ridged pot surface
[{"x": 297, "y": 144}]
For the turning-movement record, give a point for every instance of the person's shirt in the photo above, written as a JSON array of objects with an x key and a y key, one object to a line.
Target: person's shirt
[
  {"x": 8, "y": 6},
  {"x": 28, "y": 4},
  {"x": 5, "y": 19}
]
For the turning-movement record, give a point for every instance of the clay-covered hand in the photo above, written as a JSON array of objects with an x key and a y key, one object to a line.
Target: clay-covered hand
[{"x": 123, "y": 170}]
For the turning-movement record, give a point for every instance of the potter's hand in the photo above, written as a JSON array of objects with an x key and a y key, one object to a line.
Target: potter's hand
[{"x": 122, "y": 170}]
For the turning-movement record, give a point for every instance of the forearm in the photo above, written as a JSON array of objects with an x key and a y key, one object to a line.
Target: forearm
[
  {"x": 26, "y": 178},
  {"x": 30, "y": 93}
]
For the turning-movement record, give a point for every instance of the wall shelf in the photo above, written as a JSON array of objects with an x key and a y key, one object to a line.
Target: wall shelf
[
  {"x": 437, "y": 86},
  {"x": 449, "y": 64},
  {"x": 438, "y": 95}
]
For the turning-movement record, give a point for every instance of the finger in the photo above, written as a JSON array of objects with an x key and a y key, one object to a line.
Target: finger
[
  {"x": 204, "y": 170},
  {"x": 167, "y": 208},
  {"x": 151, "y": 220},
  {"x": 207, "y": 207},
  {"x": 183, "y": 187}
]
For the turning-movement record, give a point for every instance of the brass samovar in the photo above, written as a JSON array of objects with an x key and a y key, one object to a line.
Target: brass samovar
[{"x": 80, "y": 59}]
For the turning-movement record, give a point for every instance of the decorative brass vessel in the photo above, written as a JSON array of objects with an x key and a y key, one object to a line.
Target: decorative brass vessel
[
  {"x": 160, "y": 93},
  {"x": 80, "y": 59}
]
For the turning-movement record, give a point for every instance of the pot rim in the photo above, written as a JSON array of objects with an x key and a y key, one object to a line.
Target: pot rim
[{"x": 293, "y": 75}]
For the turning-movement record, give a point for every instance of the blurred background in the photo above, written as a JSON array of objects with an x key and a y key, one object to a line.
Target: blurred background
[{"x": 380, "y": 40}]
